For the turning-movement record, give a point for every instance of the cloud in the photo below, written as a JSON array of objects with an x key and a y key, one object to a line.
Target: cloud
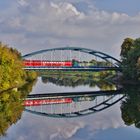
[
  {"x": 46, "y": 24},
  {"x": 23, "y": 2},
  {"x": 66, "y": 8}
]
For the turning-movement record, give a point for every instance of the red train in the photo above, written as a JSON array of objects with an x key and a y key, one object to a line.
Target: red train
[
  {"x": 38, "y": 102},
  {"x": 44, "y": 63}
]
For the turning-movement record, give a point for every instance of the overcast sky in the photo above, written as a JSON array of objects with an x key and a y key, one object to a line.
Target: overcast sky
[{"x": 31, "y": 25}]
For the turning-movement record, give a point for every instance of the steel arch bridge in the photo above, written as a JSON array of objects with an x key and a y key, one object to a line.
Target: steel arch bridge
[
  {"x": 102, "y": 100},
  {"x": 57, "y": 54}
]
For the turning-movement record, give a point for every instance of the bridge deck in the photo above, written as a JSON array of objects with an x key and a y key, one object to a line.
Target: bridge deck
[{"x": 75, "y": 69}]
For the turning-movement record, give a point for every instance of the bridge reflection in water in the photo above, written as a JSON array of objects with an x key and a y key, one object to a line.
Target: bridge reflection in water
[{"x": 72, "y": 104}]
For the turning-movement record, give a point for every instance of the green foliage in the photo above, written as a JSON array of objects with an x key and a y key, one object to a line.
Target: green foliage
[
  {"x": 126, "y": 47},
  {"x": 73, "y": 79},
  {"x": 31, "y": 76},
  {"x": 11, "y": 107},
  {"x": 130, "y": 107},
  {"x": 130, "y": 55},
  {"x": 11, "y": 72}
]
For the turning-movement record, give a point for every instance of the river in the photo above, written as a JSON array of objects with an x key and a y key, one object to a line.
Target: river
[{"x": 116, "y": 117}]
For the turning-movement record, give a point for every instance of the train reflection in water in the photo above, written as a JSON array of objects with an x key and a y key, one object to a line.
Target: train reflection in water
[
  {"x": 38, "y": 102},
  {"x": 68, "y": 105}
]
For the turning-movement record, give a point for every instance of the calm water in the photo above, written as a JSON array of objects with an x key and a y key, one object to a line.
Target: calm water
[{"x": 120, "y": 121}]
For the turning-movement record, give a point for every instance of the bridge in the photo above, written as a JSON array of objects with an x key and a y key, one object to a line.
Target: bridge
[
  {"x": 70, "y": 105},
  {"x": 70, "y": 58}
]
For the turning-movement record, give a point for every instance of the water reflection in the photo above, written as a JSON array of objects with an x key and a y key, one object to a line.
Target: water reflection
[
  {"x": 69, "y": 105},
  {"x": 130, "y": 108},
  {"x": 11, "y": 105},
  {"x": 107, "y": 101},
  {"x": 74, "y": 81}
]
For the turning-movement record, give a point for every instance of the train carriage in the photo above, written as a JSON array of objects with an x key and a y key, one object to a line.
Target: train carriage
[{"x": 44, "y": 63}]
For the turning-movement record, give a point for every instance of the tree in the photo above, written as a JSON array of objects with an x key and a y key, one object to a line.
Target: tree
[
  {"x": 11, "y": 69},
  {"x": 126, "y": 47},
  {"x": 130, "y": 55}
]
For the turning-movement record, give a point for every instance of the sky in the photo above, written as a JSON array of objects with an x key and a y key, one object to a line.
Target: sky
[{"x": 30, "y": 25}]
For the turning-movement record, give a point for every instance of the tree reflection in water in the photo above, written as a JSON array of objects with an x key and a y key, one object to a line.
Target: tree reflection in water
[
  {"x": 130, "y": 108},
  {"x": 74, "y": 81},
  {"x": 11, "y": 107}
]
